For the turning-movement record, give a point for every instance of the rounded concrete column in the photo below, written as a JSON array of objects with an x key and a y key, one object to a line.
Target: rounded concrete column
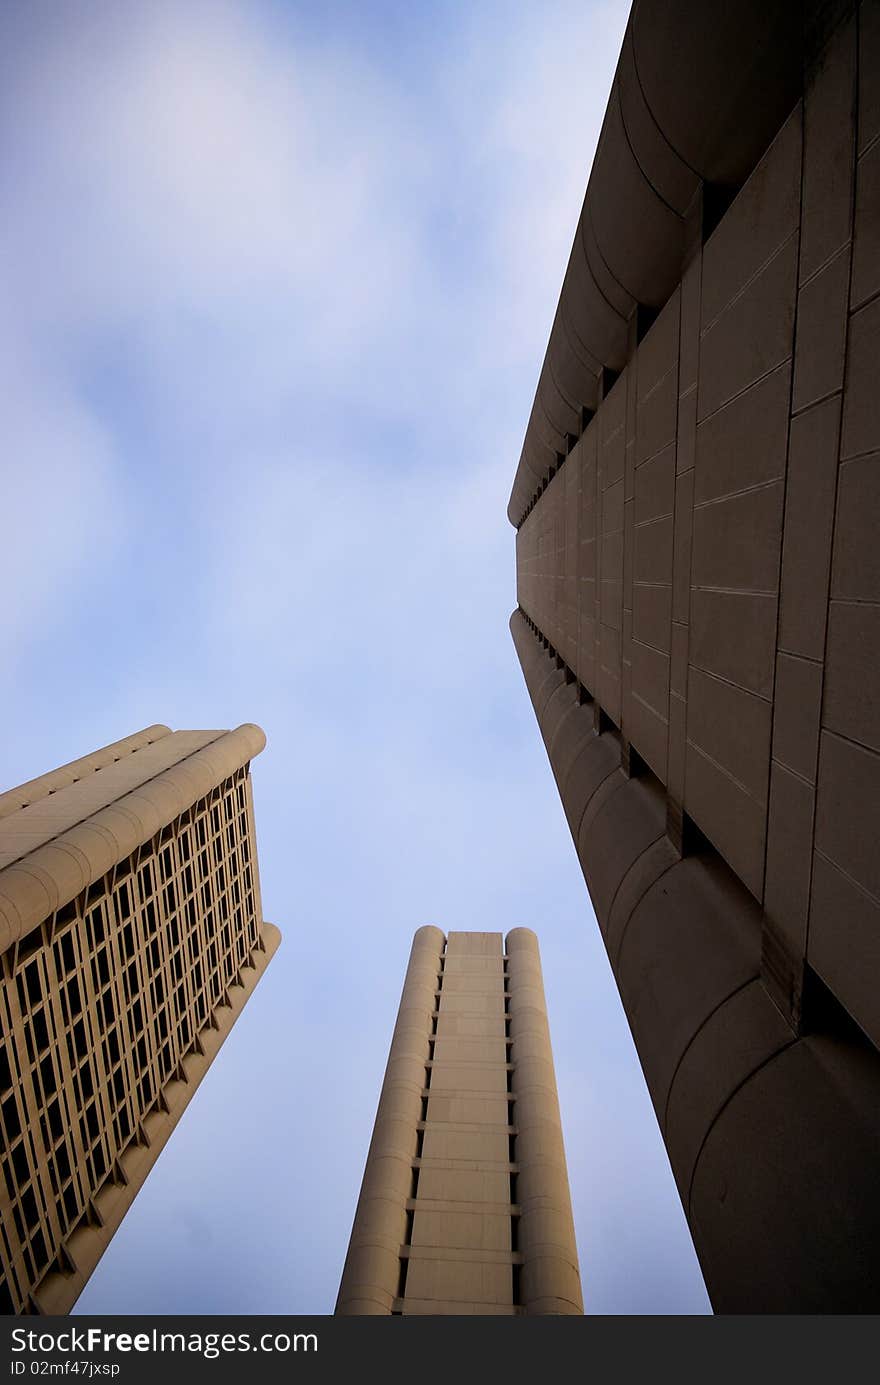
[
  {"x": 372, "y": 1267},
  {"x": 550, "y": 1276},
  {"x": 56, "y": 872},
  {"x": 36, "y": 789}
]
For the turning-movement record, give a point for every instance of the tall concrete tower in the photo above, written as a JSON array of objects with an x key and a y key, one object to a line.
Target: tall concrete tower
[
  {"x": 464, "y": 1206},
  {"x": 131, "y": 936},
  {"x": 697, "y": 505}
]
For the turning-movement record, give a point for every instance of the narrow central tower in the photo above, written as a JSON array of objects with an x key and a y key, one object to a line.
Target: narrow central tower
[{"x": 464, "y": 1205}]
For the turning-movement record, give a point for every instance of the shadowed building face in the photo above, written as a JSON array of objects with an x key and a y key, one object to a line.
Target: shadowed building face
[
  {"x": 696, "y": 508},
  {"x": 132, "y": 934},
  {"x": 464, "y": 1207}
]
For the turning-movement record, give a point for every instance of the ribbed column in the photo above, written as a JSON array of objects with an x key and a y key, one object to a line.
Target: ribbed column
[
  {"x": 550, "y": 1278},
  {"x": 371, "y": 1273}
]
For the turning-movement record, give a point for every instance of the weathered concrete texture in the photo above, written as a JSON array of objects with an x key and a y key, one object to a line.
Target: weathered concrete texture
[
  {"x": 773, "y": 1134},
  {"x": 131, "y": 936},
  {"x": 700, "y": 576},
  {"x": 464, "y": 1206},
  {"x": 697, "y": 511}
]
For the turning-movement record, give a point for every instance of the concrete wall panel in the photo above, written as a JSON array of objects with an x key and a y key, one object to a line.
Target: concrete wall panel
[{"x": 716, "y": 744}]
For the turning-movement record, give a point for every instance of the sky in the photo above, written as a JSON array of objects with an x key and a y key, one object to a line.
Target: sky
[{"x": 276, "y": 281}]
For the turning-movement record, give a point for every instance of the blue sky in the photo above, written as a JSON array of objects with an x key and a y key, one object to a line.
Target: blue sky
[{"x": 276, "y": 281}]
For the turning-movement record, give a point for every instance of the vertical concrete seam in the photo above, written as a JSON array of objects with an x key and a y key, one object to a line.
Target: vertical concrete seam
[
  {"x": 852, "y": 226},
  {"x": 794, "y": 343}
]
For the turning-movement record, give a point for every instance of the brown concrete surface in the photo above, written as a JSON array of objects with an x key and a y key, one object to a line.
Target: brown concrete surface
[
  {"x": 698, "y": 588},
  {"x": 464, "y": 1206},
  {"x": 131, "y": 935}
]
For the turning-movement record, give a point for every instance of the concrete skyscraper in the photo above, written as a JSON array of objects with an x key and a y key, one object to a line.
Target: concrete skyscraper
[
  {"x": 131, "y": 935},
  {"x": 464, "y": 1206},
  {"x": 697, "y": 507}
]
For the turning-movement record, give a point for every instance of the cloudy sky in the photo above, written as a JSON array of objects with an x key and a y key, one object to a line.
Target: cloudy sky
[{"x": 276, "y": 280}]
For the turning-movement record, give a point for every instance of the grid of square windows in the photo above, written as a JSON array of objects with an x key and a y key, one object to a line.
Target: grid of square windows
[{"x": 98, "y": 1008}]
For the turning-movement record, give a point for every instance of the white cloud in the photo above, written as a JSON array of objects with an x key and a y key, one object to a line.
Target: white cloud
[
  {"x": 62, "y": 508},
  {"x": 226, "y": 211},
  {"x": 549, "y": 83}
]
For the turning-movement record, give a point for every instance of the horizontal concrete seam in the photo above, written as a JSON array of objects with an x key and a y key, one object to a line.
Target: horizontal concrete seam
[
  {"x": 727, "y": 774},
  {"x": 642, "y": 399},
  {"x": 874, "y": 140},
  {"x": 739, "y": 394},
  {"x": 462, "y": 1255},
  {"x": 605, "y": 442},
  {"x": 846, "y": 462},
  {"x": 489, "y": 1302},
  {"x": 798, "y": 654},
  {"x": 457, "y": 1094},
  {"x": 370, "y": 1240},
  {"x": 471, "y": 1165},
  {"x": 816, "y": 403},
  {"x": 706, "y": 328},
  {"x": 541, "y": 1252},
  {"x": 866, "y": 302},
  {"x": 743, "y": 490},
  {"x": 856, "y": 884},
  {"x": 720, "y": 678},
  {"x": 795, "y": 774},
  {"x": 643, "y": 702},
  {"x": 452, "y": 1204},
  {"x": 854, "y": 600},
  {"x": 734, "y": 591},
  {"x": 850, "y": 740},
  {"x": 472, "y": 1064},
  {"x": 648, "y": 523},
  {"x": 826, "y": 263}
]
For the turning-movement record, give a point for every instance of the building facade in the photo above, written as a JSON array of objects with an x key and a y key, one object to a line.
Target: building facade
[
  {"x": 698, "y": 620},
  {"x": 131, "y": 935},
  {"x": 465, "y": 1207}
]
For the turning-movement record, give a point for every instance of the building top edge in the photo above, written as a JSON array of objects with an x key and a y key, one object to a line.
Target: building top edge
[
  {"x": 699, "y": 91},
  {"x": 50, "y": 854}
]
